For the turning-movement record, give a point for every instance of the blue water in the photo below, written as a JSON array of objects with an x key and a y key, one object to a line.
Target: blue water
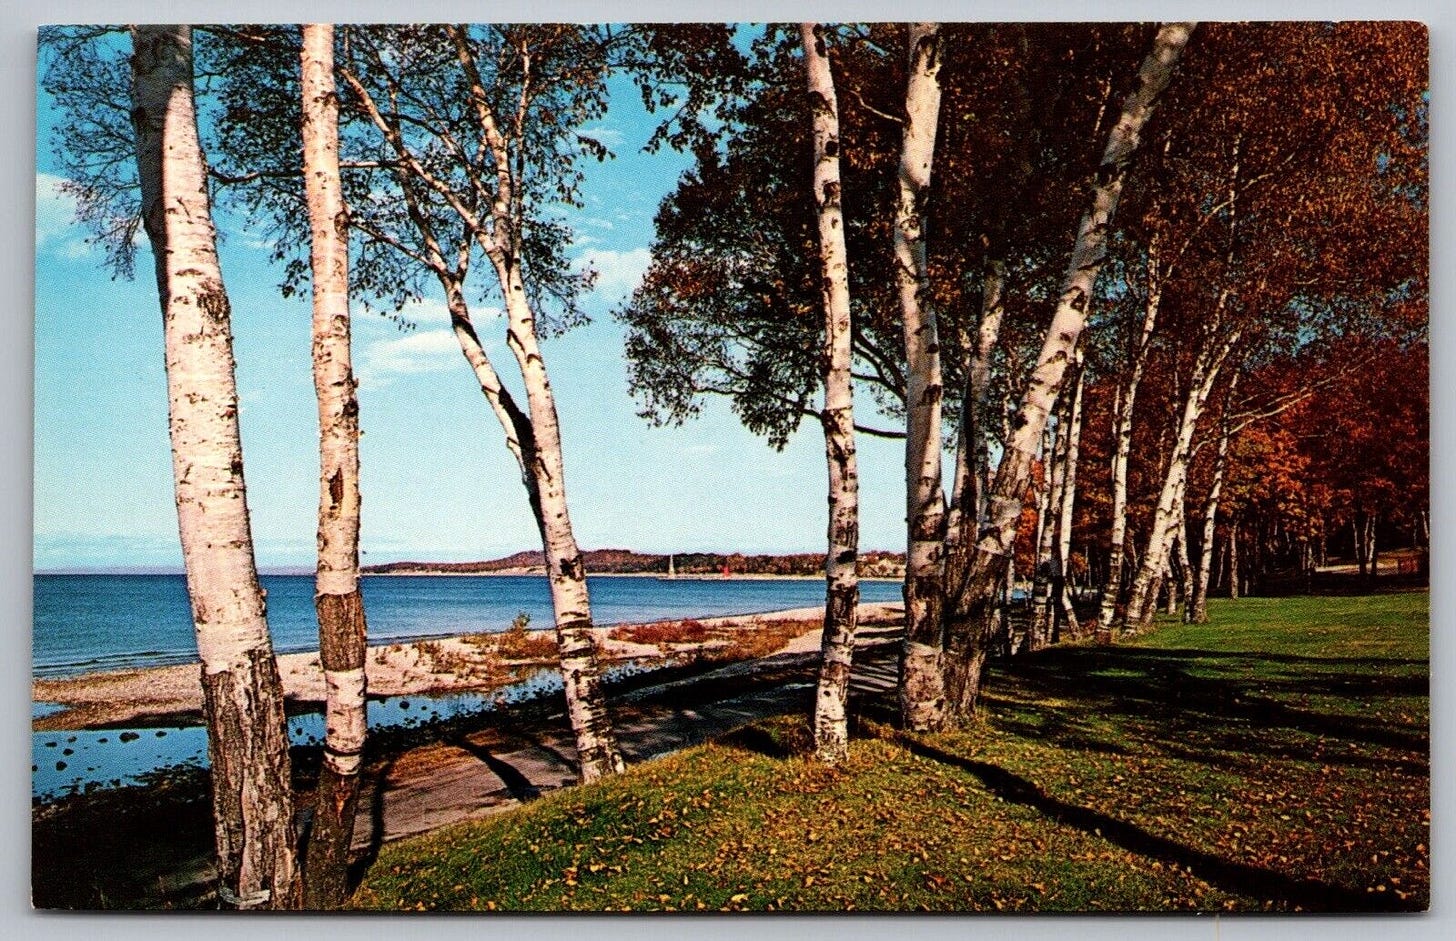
[
  {"x": 67, "y": 762},
  {"x": 87, "y": 623}
]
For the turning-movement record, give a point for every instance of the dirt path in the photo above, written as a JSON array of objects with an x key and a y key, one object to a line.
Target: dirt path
[
  {"x": 485, "y": 772},
  {"x": 111, "y": 851}
]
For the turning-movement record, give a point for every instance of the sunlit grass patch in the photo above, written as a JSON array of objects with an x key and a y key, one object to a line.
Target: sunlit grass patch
[{"x": 1236, "y": 766}]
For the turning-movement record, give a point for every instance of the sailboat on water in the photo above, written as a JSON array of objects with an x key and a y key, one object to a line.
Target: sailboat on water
[{"x": 671, "y": 570}]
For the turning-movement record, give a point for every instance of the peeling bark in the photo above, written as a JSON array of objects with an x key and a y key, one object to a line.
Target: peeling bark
[
  {"x": 1039, "y": 630},
  {"x": 337, "y": 599},
  {"x": 921, "y": 682},
  {"x": 1066, "y": 509},
  {"x": 1164, "y": 531},
  {"x": 830, "y": 719},
  {"x": 596, "y": 744},
  {"x": 970, "y": 618},
  {"x": 534, "y": 435},
  {"x": 1122, "y": 424},
  {"x": 1198, "y": 604},
  {"x": 252, "y": 799}
]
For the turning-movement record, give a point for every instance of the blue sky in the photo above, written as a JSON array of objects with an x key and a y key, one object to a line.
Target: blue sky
[{"x": 437, "y": 480}]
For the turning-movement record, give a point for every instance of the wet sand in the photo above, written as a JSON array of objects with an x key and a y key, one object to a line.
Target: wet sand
[
  {"x": 438, "y": 666},
  {"x": 152, "y": 847}
]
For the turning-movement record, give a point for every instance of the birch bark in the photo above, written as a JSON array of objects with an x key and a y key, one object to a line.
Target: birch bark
[
  {"x": 1164, "y": 530},
  {"x": 969, "y": 624},
  {"x": 1122, "y": 435},
  {"x": 1039, "y": 630},
  {"x": 1198, "y": 605},
  {"x": 921, "y": 684},
  {"x": 1066, "y": 510},
  {"x": 596, "y": 744},
  {"x": 252, "y": 799},
  {"x": 831, "y": 723},
  {"x": 1234, "y": 584},
  {"x": 973, "y": 453},
  {"x": 533, "y": 436},
  {"x": 337, "y": 600}
]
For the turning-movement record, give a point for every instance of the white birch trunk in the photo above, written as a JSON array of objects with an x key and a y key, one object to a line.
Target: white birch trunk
[
  {"x": 1122, "y": 424},
  {"x": 830, "y": 719},
  {"x": 922, "y": 687},
  {"x": 596, "y": 745},
  {"x": 1233, "y": 560},
  {"x": 337, "y": 599},
  {"x": 533, "y": 436},
  {"x": 973, "y": 450},
  {"x": 242, "y": 695},
  {"x": 1198, "y": 605},
  {"x": 1181, "y": 560},
  {"x": 1163, "y": 532},
  {"x": 1067, "y": 509},
  {"x": 974, "y": 602},
  {"x": 1048, "y": 495}
]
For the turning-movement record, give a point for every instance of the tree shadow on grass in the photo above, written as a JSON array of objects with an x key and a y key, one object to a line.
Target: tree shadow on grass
[
  {"x": 1239, "y": 878},
  {"x": 361, "y": 863},
  {"x": 1204, "y": 705}
]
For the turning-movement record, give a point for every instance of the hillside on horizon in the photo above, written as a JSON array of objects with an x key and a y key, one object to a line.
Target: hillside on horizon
[{"x": 876, "y": 563}]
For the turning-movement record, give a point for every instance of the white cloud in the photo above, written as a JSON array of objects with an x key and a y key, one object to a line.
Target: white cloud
[
  {"x": 56, "y": 230},
  {"x": 618, "y": 273},
  {"x": 608, "y": 135},
  {"x": 418, "y": 352}
]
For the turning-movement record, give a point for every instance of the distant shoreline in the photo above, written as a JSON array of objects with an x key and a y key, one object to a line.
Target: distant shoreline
[
  {"x": 694, "y": 577},
  {"x": 173, "y": 693}
]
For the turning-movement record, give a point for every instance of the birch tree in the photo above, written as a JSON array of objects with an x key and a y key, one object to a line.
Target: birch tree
[
  {"x": 337, "y": 599},
  {"x": 242, "y": 693},
  {"x": 972, "y": 606},
  {"x": 1197, "y": 609},
  {"x": 1066, "y": 505},
  {"x": 841, "y": 601},
  {"x": 921, "y": 683},
  {"x": 1123, "y": 411},
  {"x": 1257, "y": 228},
  {"x": 423, "y": 90}
]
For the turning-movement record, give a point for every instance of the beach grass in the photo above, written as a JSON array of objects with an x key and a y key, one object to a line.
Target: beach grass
[{"x": 1276, "y": 759}]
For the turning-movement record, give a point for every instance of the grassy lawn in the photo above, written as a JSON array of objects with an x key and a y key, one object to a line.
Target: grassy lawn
[{"x": 1275, "y": 759}]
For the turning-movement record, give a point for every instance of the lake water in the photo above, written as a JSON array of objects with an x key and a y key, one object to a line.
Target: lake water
[{"x": 86, "y": 623}]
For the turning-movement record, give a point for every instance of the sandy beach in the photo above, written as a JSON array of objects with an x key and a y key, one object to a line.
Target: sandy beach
[{"x": 469, "y": 663}]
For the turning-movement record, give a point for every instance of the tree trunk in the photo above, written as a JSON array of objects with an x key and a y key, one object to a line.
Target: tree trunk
[
  {"x": 1198, "y": 605},
  {"x": 1357, "y": 529},
  {"x": 831, "y": 724},
  {"x": 1039, "y": 630},
  {"x": 1066, "y": 512},
  {"x": 973, "y": 453},
  {"x": 1233, "y": 559},
  {"x": 596, "y": 745},
  {"x": 339, "y": 604},
  {"x": 534, "y": 437},
  {"x": 1184, "y": 565},
  {"x": 252, "y": 799},
  {"x": 1122, "y": 422},
  {"x": 1371, "y": 551},
  {"x": 974, "y": 598},
  {"x": 922, "y": 686},
  {"x": 1163, "y": 532}
]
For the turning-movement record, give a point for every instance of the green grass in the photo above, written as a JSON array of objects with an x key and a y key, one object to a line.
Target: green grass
[{"x": 1276, "y": 759}]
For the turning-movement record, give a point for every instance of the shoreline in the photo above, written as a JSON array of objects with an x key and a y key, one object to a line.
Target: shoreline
[
  {"x": 440, "y": 666},
  {"x": 660, "y": 576}
]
